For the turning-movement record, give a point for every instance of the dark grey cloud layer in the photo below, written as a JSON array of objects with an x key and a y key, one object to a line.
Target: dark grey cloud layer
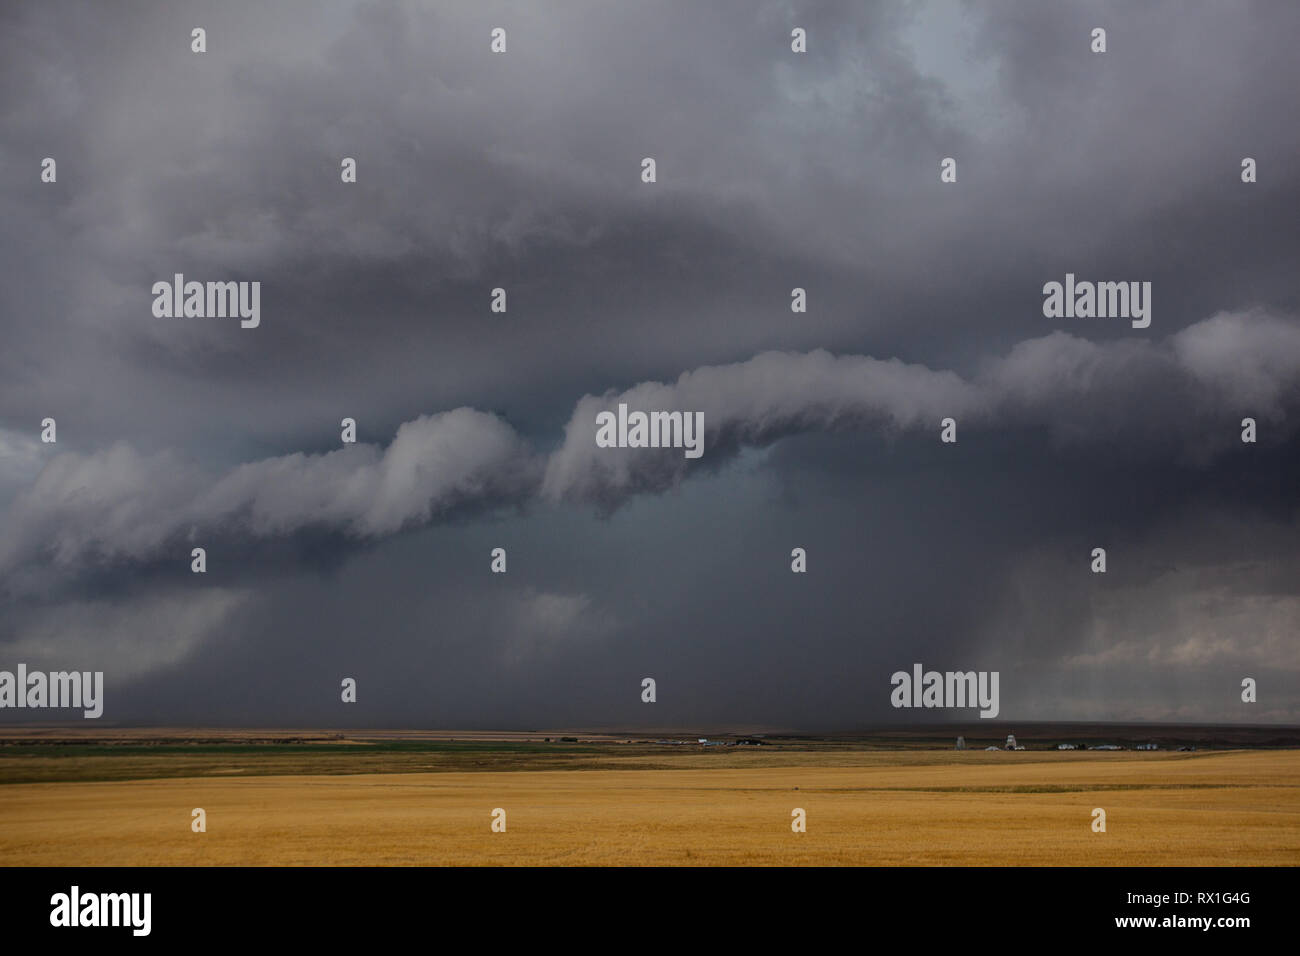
[{"x": 476, "y": 429}]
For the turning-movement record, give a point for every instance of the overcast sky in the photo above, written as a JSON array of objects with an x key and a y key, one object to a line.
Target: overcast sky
[{"x": 476, "y": 429}]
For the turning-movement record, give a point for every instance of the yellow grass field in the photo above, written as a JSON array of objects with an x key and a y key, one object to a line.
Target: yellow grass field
[{"x": 1201, "y": 809}]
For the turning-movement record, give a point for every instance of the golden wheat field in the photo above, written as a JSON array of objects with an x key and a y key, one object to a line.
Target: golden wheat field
[{"x": 881, "y": 808}]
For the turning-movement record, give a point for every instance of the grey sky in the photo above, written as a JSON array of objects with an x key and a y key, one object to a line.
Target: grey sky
[{"x": 476, "y": 429}]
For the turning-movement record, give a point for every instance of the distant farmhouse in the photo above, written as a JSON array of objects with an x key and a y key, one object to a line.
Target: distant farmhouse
[
  {"x": 1147, "y": 747},
  {"x": 961, "y": 743},
  {"x": 1067, "y": 746}
]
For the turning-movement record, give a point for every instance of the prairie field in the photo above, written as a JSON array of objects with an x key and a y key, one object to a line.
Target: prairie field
[{"x": 901, "y": 807}]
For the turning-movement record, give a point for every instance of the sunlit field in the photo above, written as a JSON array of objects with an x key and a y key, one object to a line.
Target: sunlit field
[{"x": 596, "y": 805}]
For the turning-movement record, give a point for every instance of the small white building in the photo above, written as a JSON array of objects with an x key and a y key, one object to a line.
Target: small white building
[
  {"x": 1067, "y": 746},
  {"x": 961, "y": 743}
]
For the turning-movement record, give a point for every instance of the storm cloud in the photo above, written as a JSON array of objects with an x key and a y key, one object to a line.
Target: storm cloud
[{"x": 776, "y": 171}]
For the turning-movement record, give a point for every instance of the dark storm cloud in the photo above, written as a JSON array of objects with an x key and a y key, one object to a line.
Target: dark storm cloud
[
  {"x": 776, "y": 170},
  {"x": 521, "y": 171},
  {"x": 1176, "y": 395},
  {"x": 118, "y": 504}
]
